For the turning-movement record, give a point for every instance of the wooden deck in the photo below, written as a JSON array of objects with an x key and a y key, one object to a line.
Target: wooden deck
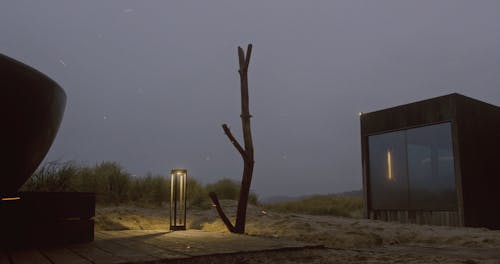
[{"x": 139, "y": 246}]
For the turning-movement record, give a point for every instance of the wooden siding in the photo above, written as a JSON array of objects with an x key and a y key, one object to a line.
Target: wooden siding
[
  {"x": 446, "y": 218},
  {"x": 148, "y": 246},
  {"x": 47, "y": 218},
  {"x": 476, "y": 141}
]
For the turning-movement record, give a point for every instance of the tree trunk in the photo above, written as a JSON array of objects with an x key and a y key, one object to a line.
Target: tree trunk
[{"x": 247, "y": 154}]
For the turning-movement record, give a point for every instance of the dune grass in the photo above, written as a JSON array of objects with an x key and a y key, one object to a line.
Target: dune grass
[
  {"x": 336, "y": 205},
  {"x": 113, "y": 185}
]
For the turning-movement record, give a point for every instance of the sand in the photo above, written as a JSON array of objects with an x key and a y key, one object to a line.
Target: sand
[{"x": 348, "y": 240}]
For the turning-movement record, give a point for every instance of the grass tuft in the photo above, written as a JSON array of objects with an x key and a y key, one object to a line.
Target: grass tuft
[
  {"x": 336, "y": 205},
  {"x": 113, "y": 185}
]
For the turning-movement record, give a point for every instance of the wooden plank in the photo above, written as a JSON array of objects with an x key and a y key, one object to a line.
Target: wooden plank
[
  {"x": 138, "y": 245},
  {"x": 167, "y": 250},
  {"x": 94, "y": 254},
  {"x": 63, "y": 255},
  {"x": 28, "y": 257},
  {"x": 116, "y": 249},
  {"x": 199, "y": 243},
  {"x": 185, "y": 244},
  {"x": 130, "y": 233},
  {"x": 169, "y": 243},
  {"x": 4, "y": 258}
]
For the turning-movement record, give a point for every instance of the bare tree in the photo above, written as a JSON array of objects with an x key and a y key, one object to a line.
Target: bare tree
[{"x": 246, "y": 153}]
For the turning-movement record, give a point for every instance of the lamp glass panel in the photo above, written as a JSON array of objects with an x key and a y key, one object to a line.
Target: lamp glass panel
[{"x": 178, "y": 198}]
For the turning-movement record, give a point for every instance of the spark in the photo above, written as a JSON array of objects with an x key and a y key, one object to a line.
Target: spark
[
  {"x": 62, "y": 62},
  {"x": 105, "y": 117},
  {"x": 128, "y": 10}
]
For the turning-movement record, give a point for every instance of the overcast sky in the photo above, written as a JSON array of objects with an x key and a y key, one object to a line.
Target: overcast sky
[{"x": 149, "y": 83}]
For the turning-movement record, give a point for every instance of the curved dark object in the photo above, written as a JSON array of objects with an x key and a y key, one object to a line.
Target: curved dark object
[{"x": 31, "y": 109}]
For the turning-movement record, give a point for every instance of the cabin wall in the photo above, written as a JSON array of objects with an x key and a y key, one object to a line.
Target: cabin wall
[
  {"x": 427, "y": 112},
  {"x": 421, "y": 113},
  {"x": 478, "y": 127},
  {"x": 476, "y": 146},
  {"x": 443, "y": 218}
]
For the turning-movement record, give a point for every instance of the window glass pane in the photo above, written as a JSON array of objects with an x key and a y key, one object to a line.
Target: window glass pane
[
  {"x": 412, "y": 169},
  {"x": 431, "y": 168},
  {"x": 388, "y": 171}
]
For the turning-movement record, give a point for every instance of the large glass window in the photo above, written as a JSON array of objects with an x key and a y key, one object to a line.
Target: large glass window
[
  {"x": 430, "y": 167},
  {"x": 413, "y": 169},
  {"x": 388, "y": 170}
]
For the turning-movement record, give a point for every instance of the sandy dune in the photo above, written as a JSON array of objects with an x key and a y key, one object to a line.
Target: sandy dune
[{"x": 348, "y": 240}]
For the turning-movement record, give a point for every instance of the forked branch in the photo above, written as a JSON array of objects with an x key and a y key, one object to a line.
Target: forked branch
[
  {"x": 246, "y": 153},
  {"x": 221, "y": 213},
  {"x": 233, "y": 140}
]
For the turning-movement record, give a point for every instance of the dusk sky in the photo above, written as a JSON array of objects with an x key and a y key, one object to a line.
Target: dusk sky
[{"x": 149, "y": 83}]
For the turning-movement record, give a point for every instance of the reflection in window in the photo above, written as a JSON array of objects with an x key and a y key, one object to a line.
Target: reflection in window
[
  {"x": 414, "y": 167},
  {"x": 431, "y": 167},
  {"x": 387, "y": 161},
  {"x": 389, "y": 165}
]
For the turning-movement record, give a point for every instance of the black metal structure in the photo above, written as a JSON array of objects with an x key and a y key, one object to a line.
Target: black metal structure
[
  {"x": 178, "y": 199},
  {"x": 433, "y": 162},
  {"x": 32, "y": 108},
  {"x": 47, "y": 218}
]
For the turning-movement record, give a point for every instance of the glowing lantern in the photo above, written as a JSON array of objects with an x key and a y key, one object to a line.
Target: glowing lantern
[{"x": 178, "y": 199}]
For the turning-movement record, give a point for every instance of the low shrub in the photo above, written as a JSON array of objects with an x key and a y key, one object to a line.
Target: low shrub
[
  {"x": 337, "y": 205},
  {"x": 113, "y": 185},
  {"x": 227, "y": 189},
  {"x": 149, "y": 190},
  {"x": 54, "y": 177},
  {"x": 197, "y": 194}
]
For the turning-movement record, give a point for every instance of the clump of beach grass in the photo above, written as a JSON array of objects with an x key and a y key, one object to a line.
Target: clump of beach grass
[{"x": 336, "y": 205}]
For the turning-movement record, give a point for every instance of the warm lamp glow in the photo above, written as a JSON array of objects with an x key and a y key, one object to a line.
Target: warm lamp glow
[
  {"x": 389, "y": 165},
  {"x": 178, "y": 199},
  {"x": 11, "y": 198}
]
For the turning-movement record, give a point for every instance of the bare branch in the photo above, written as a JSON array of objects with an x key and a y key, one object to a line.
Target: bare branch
[
  {"x": 235, "y": 142},
  {"x": 241, "y": 59},
  {"x": 221, "y": 213},
  {"x": 247, "y": 153},
  {"x": 247, "y": 137},
  {"x": 247, "y": 59}
]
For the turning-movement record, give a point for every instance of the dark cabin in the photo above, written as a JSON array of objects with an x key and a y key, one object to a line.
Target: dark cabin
[{"x": 434, "y": 162}]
